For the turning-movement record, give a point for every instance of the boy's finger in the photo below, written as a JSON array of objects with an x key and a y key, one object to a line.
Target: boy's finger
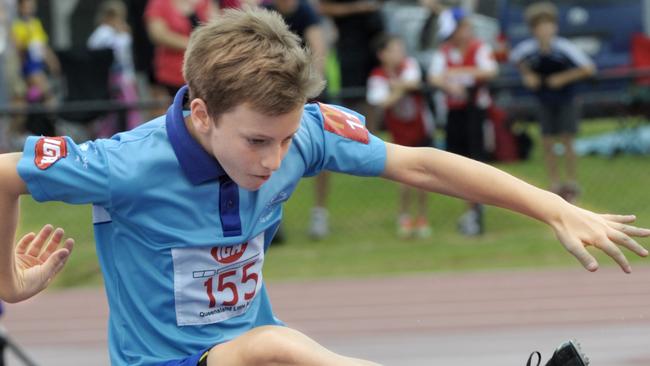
[
  {"x": 625, "y": 219},
  {"x": 69, "y": 244},
  {"x": 40, "y": 239},
  {"x": 632, "y": 230},
  {"x": 55, "y": 262},
  {"x": 584, "y": 257},
  {"x": 55, "y": 240},
  {"x": 631, "y": 244},
  {"x": 23, "y": 244},
  {"x": 615, "y": 252}
]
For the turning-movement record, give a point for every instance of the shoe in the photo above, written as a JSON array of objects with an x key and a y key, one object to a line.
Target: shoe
[
  {"x": 404, "y": 226},
  {"x": 567, "y": 354},
  {"x": 422, "y": 229},
  {"x": 471, "y": 223},
  {"x": 319, "y": 225}
]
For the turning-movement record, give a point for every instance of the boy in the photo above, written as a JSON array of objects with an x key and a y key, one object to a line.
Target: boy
[
  {"x": 394, "y": 86},
  {"x": 551, "y": 66},
  {"x": 460, "y": 68},
  {"x": 185, "y": 206}
]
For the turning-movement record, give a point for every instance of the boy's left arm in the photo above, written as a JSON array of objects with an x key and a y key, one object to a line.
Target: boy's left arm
[
  {"x": 442, "y": 172},
  {"x": 560, "y": 79},
  {"x": 583, "y": 66}
]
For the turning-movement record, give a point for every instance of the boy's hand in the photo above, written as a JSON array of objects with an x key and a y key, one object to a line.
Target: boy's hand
[
  {"x": 531, "y": 80},
  {"x": 556, "y": 81},
  {"x": 455, "y": 90},
  {"x": 39, "y": 258},
  {"x": 578, "y": 228}
]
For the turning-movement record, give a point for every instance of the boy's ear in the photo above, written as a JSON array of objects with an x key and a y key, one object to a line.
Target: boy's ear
[{"x": 200, "y": 116}]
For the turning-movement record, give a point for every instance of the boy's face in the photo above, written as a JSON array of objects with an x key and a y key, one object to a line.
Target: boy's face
[
  {"x": 393, "y": 54},
  {"x": 463, "y": 33},
  {"x": 545, "y": 30},
  {"x": 249, "y": 145}
]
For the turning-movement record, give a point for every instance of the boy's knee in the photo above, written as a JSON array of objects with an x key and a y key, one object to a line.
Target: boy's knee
[
  {"x": 267, "y": 345},
  {"x": 275, "y": 344}
]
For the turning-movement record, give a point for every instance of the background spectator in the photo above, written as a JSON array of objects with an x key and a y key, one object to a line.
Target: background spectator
[
  {"x": 143, "y": 55},
  {"x": 394, "y": 86},
  {"x": 358, "y": 22},
  {"x": 551, "y": 66},
  {"x": 35, "y": 53},
  {"x": 36, "y": 58},
  {"x": 304, "y": 20},
  {"x": 169, "y": 24},
  {"x": 461, "y": 67},
  {"x": 114, "y": 33}
]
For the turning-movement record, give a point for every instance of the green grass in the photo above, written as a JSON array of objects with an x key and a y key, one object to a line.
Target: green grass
[{"x": 364, "y": 242}]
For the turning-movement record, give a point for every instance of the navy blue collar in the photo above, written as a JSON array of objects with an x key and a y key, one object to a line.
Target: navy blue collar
[{"x": 197, "y": 164}]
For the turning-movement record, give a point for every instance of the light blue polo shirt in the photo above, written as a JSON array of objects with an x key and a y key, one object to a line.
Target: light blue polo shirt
[{"x": 180, "y": 245}]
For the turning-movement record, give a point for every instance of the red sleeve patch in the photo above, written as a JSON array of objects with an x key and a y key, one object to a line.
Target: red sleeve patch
[
  {"x": 49, "y": 150},
  {"x": 344, "y": 124}
]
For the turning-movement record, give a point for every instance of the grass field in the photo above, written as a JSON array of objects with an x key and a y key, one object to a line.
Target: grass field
[{"x": 363, "y": 240}]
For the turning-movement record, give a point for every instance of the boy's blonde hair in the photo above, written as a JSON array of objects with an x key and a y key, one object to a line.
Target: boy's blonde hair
[
  {"x": 249, "y": 56},
  {"x": 538, "y": 12}
]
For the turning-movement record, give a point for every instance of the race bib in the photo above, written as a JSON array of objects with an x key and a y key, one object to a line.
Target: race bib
[{"x": 214, "y": 284}]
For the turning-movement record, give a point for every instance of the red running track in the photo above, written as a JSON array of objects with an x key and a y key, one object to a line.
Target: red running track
[{"x": 483, "y": 318}]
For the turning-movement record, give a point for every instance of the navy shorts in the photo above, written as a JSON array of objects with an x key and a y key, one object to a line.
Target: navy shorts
[
  {"x": 199, "y": 359},
  {"x": 558, "y": 118}
]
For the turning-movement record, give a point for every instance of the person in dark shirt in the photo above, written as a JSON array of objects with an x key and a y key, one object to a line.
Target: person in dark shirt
[
  {"x": 358, "y": 22},
  {"x": 305, "y": 21},
  {"x": 551, "y": 66}
]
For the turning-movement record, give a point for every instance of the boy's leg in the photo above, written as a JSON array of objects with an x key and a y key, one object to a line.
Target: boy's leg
[
  {"x": 569, "y": 116},
  {"x": 550, "y": 127},
  {"x": 404, "y": 222},
  {"x": 319, "y": 225},
  {"x": 422, "y": 197},
  {"x": 274, "y": 345},
  {"x": 550, "y": 160},
  {"x": 570, "y": 157}
]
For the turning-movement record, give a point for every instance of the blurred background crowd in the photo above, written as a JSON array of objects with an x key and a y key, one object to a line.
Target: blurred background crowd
[{"x": 500, "y": 81}]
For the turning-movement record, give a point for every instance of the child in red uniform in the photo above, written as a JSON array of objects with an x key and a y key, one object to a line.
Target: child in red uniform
[
  {"x": 460, "y": 68},
  {"x": 394, "y": 86}
]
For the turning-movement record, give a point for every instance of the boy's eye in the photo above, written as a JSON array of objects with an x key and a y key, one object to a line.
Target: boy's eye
[{"x": 256, "y": 141}]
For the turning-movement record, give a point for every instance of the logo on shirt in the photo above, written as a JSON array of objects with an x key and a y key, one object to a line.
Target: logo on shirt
[
  {"x": 228, "y": 254},
  {"x": 344, "y": 124},
  {"x": 49, "y": 150}
]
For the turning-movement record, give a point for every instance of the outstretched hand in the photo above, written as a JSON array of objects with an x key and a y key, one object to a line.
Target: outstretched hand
[
  {"x": 578, "y": 228},
  {"x": 38, "y": 259}
]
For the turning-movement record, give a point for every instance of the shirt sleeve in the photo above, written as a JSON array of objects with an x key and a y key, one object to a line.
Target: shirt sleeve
[
  {"x": 155, "y": 9},
  {"x": 438, "y": 65},
  {"x": 523, "y": 50},
  {"x": 39, "y": 32},
  {"x": 378, "y": 90},
  {"x": 57, "y": 169},
  {"x": 335, "y": 138},
  {"x": 485, "y": 59},
  {"x": 308, "y": 14},
  {"x": 411, "y": 71},
  {"x": 574, "y": 53}
]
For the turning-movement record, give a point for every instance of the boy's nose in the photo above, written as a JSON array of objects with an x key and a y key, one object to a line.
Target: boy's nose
[{"x": 273, "y": 159}]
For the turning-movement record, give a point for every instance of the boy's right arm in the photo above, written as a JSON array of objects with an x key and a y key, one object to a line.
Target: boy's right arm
[{"x": 27, "y": 269}]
